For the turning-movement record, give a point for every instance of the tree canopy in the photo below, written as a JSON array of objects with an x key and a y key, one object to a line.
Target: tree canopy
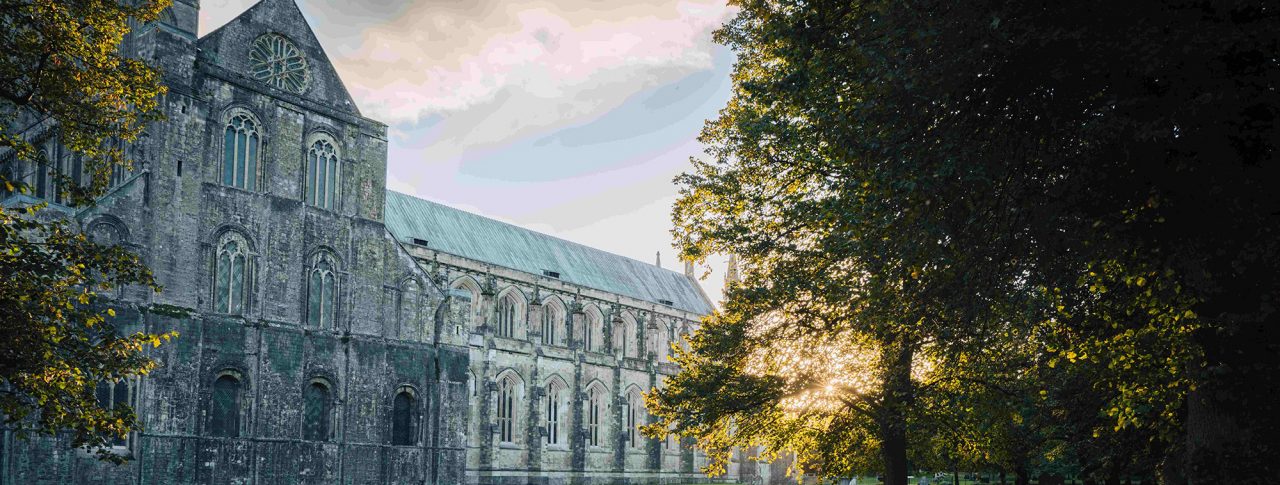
[
  {"x": 63, "y": 72},
  {"x": 965, "y": 223}
]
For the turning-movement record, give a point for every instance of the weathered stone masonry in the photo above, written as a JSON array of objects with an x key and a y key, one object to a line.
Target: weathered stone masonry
[{"x": 367, "y": 338}]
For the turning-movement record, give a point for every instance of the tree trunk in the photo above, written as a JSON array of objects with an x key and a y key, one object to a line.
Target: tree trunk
[
  {"x": 1021, "y": 476},
  {"x": 1209, "y": 431},
  {"x": 895, "y": 360}
]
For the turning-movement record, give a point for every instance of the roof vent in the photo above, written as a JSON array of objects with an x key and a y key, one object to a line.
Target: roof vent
[
  {"x": 420, "y": 242},
  {"x": 553, "y": 274},
  {"x": 666, "y": 302}
]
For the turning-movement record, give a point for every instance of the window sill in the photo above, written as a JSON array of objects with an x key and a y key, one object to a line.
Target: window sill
[
  {"x": 509, "y": 446},
  {"x": 221, "y": 185},
  {"x": 327, "y": 210},
  {"x": 557, "y": 447}
]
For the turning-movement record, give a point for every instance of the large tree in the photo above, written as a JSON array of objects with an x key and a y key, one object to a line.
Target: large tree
[
  {"x": 62, "y": 72},
  {"x": 1088, "y": 185}
]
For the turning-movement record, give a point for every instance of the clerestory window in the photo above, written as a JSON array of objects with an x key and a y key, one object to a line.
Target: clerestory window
[
  {"x": 322, "y": 174},
  {"x": 593, "y": 330},
  {"x": 507, "y": 311},
  {"x": 551, "y": 320},
  {"x": 241, "y": 142}
]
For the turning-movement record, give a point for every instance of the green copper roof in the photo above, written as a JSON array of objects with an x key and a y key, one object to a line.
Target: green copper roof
[{"x": 475, "y": 237}]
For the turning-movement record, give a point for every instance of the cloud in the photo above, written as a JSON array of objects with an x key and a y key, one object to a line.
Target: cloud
[
  {"x": 499, "y": 69},
  {"x": 511, "y": 67}
]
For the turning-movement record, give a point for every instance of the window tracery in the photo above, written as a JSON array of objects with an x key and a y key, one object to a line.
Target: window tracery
[
  {"x": 241, "y": 143},
  {"x": 506, "y": 409},
  {"x": 552, "y": 415},
  {"x": 274, "y": 60},
  {"x": 231, "y": 274},
  {"x": 508, "y": 315},
  {"x": 322, "y": 301},
  {"x": 322, "y": 173}
]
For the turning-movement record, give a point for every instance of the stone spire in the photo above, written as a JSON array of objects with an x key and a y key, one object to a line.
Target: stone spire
[
  {"x": 658, "y": 262},
  {"x": 688, "y": 270},
  {"x": 731, "y": 273}
]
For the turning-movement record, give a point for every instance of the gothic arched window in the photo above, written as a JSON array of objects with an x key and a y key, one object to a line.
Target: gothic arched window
[
  {"x": 241, "y": 141},
  {"x": 224, "y": 410},
  {"x": 595, "y": 411},
  {"x": 317, "y": 411},
  {"x": 552, "y": 320},
  {"x": 404, "y": 419},
  {"x": 555, "y": 391},
  {"x": 507, "y": 390},
  {"x": 113, "y": 395},
  {"x": 593, "y": 330},
  {"x": 322, "y": 286},
  {"x": 508, "y": 309},
  {"x": 231, "y": 274},
  {"x": 628, "y": 343},
  {"x": 322, "y": 174},
  {"x": 635, "y": 406}
]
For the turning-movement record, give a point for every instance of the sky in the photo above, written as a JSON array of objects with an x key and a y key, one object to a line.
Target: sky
[{"x": 568, "y": 117}]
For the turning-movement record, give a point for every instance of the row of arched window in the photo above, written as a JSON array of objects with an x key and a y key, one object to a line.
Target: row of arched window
[
  {"x": 509, "y": 318},
  {"x": 56, "y": 169},
  {"x": 242, "y": 154},
  {"x": 555, "y": 405},
  {"x": 318, "y": 411},
  {"x": 233, "y": 275}
]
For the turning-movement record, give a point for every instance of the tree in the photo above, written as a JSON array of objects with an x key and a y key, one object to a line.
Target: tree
[
  {"x": 922, "y": 181},
  {"x": 63, "y": 72}
]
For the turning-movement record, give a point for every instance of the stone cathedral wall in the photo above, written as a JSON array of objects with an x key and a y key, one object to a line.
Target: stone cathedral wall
[{"x": 529, "y": 458}]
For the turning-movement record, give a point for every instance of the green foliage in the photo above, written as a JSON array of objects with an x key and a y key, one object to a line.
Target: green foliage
[
  {"x": 62, "y": 63},
  {"x": 62, "y": 69},
  {"x": 1056, "y": 218}
]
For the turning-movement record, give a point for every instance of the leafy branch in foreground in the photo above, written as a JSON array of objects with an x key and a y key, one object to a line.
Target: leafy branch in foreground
[{"x": 64, "y": 80}]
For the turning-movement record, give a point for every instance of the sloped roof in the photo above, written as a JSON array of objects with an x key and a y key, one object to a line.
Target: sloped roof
[
  {"x": 479, "y": 238},
  {"x": 228, "y": 47}
]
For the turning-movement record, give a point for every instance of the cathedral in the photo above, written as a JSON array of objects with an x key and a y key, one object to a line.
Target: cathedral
[{"x": 332, "y": 331}]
